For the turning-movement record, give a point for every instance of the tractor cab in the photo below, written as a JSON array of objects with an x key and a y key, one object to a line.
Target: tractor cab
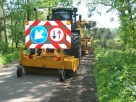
[{"x": 63, "y": 14}]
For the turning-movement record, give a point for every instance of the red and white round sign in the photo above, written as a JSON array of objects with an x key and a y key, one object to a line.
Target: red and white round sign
[{"x": 56, "y": 34}]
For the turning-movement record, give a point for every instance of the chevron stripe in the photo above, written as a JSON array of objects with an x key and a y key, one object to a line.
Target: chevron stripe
[
  {"x": 39, "y": 45},
  {"x": 27, "y": 38},
  {"x": 42, "y": 23},
  {"x": 68, "y": 39},
  {"x": 62, "y": 46},
  {"x": 53, "y": 23},
  {"x": 56, "y": 45}
]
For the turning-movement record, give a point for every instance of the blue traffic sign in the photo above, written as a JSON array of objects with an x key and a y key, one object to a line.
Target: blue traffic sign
[{"x": 38, "y": 34}]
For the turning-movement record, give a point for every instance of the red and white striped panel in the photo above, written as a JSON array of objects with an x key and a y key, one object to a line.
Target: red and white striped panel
[{"x": 47, "y": 23}]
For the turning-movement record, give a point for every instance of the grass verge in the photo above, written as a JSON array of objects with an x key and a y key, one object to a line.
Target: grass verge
[{"x": 115, "y": 74}]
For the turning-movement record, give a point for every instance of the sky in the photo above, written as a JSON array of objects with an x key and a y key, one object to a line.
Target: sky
[{"x": 103, "y": 20}]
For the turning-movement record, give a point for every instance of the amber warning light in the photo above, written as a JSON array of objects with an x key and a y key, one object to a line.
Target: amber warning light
[
  {"x": 68, "y": 22},
  {"x": 26, "y": 23}
]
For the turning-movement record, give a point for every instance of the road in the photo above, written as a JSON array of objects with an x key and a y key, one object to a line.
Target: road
[
  {"x": 29, "y": 88},
  {"x": 80, "y": 88}
]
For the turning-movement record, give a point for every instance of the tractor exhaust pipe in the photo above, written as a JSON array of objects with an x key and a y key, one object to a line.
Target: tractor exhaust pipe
[
  {"x": 36, "y": 18},
  {"x": 80, "y": 17}
]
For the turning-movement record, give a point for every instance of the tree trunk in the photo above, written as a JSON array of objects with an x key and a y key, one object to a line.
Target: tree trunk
[
  {"x": 6, "y": 39},
  {"x": 12, "y": 36},
  {"x": 12, "y": 46},
  {"x": 16, "y": 35},
  {"x": 16, "y": 44},
  {"x": 4, "y": 20}
]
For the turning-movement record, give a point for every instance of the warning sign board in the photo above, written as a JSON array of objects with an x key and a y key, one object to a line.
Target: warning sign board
[{"x": 47, "y": 34}]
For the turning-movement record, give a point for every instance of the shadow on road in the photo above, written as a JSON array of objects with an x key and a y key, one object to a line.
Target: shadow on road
[{"x": 29, "y": 88}]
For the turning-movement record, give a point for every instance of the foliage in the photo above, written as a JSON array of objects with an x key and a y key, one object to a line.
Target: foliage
[
  {"x": 115, "y": 73},
  {"x": 105, "y": 37},
  {"x": 6, "y": 57},
  {"x": 126, "y": 11}
]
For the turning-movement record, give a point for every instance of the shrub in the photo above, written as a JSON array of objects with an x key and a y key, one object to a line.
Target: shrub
[{"x": 115, "y": 74}]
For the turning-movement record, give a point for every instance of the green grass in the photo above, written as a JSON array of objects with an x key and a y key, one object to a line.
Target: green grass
[
  {"x": 115, "y": 74},
  {"x": 9, "y": 56}
]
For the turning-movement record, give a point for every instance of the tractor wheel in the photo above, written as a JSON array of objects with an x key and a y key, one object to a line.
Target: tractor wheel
[
  {"x": 75, "y": 46},
  {"x": 19, "y": 71},
  {"x": 61, "y": 75}
]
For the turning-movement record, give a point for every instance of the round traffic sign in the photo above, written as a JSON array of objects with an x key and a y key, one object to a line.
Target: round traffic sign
[
  {"x": 38, "y": 34},
  {"x": 56, "y": 34}
]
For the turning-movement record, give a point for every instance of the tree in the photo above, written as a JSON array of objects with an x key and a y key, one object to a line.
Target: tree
[
  {"x": 126, "y": 13},
  {"x": 128, "y": 18},
  {"x": 3, "y": 20}
]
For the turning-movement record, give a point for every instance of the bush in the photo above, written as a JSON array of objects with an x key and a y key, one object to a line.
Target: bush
[
  {"x": 115, "y": 74},
  {"x": 6, "y": 57}
]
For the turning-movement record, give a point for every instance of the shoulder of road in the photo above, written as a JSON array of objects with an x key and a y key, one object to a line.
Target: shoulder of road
[{"x": 9, "y": 64}]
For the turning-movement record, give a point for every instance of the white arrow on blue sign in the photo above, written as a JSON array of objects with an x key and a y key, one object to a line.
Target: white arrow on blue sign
[{"x": 38, "y": 34}]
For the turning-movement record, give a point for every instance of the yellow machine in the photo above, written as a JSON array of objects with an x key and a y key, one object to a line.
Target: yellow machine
[
  {"x": 43, "y": 54},
  {"x": 84, "y": 39},
  {"x": 53, "y": 60}
]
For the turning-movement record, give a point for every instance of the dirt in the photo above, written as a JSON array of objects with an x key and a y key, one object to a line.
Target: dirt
[{"x": 80, "y": 88}]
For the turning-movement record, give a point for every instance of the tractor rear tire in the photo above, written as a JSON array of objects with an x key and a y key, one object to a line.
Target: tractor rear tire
[{"x": 75, "y": 46}]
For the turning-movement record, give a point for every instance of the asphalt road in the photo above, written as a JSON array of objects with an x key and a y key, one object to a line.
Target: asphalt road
[{"x": 29, "y": 88}]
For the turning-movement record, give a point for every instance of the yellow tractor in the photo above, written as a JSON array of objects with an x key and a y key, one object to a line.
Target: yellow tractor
[{"x": 55, "y": 44}]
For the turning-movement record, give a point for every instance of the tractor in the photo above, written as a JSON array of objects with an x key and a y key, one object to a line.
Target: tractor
[
  {"x": 47, "y": 51},
  {"x": 76, "y": 26}
]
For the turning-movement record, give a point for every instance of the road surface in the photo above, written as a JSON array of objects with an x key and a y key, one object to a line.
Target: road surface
[{"x": 29, "y": 88}]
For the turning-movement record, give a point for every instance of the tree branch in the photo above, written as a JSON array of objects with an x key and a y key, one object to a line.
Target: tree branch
[{"x": 105, "y": 4}]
